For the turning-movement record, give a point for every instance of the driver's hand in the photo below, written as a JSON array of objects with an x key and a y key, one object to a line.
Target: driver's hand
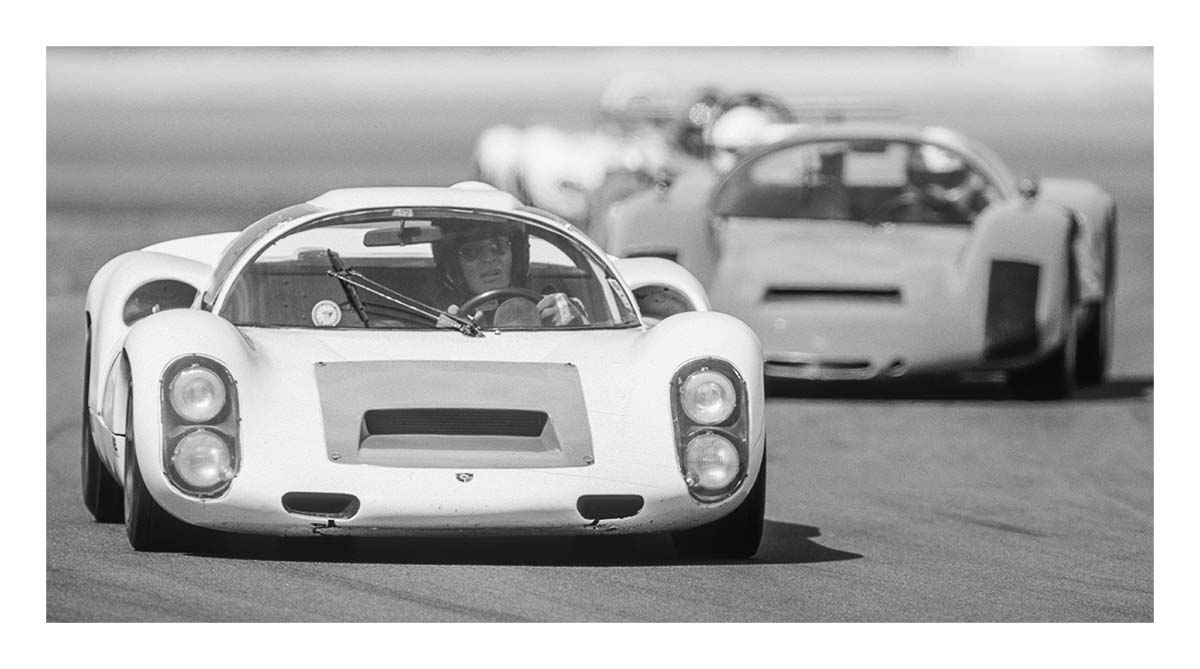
[
  {"x": 558, "y": 309},
  {"x": 444, "y": 322}
]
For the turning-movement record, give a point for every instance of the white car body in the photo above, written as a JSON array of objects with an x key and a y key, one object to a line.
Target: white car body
[
  {"x": 294, "y": 387},
  {"x": 843, "y": 300}
]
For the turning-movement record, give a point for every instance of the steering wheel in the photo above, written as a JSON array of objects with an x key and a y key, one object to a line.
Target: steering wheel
[
  {"x": 892, "y": 205},
  {"x": 466, "y": 309},
  {"x": 945, "y": 210}
]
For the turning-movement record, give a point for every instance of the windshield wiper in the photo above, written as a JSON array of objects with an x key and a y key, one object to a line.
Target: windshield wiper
[
  {"x": 339, "y": 269},
  {"x": 352, "y": 279}
]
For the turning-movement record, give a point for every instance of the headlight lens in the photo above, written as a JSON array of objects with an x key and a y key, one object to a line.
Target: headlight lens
[
  {"x": 197, "y": 394},
  {"x": 202, "y": 459},
  {"x": 711, "y": 462},
  {"x": 707, "y": 397}
]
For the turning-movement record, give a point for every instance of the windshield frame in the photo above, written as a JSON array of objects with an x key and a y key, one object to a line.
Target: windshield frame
[
  {"x": 251, "y": 253},
  {"x": 981, "y": 159}
]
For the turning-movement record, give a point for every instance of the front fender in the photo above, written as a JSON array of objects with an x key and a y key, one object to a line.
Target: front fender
[
  {"x": 1096, "y": 212},
  {"x": 1022, "y": 238},
  {"x": 655, "y": 280},
  {"x": 701, "y": 334},
  {"x": 128, "y": 287},
  {"x": 154, "y": 343}
]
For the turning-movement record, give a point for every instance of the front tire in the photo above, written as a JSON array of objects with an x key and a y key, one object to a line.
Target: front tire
[
  {"x": 1096, "y": 340},
  {"x": 147, "y": 526},
  {"x": 1053, "y": 377},
  {"x": 737, "y": 535},
  {"x": 1095, "y": 345},
  {"x": 101, "y": 493}
]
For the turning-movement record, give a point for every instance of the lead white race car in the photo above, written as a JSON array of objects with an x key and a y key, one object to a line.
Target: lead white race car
[{"x": 335, "y": 369}]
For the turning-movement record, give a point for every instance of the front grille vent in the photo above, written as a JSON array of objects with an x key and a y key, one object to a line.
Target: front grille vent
[
  {"x": 321, "y": 504},
  {"x": 794, "y": 293},
  {"x": 455, "y": 422}
]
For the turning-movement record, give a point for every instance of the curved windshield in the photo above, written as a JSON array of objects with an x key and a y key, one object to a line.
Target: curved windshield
[
  {"x": 426, "y": 269},
  {"x": 872, "y": 181}
]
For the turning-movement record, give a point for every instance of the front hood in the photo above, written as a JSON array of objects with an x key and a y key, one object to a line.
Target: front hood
[
  {"x": 833, "y": 262},
  {"x": 841, "y": 253},
  {"x": 537, "y": 399}
]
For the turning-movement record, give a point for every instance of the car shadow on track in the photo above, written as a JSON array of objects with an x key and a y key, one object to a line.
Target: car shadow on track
[
  {"x": 989, "y": 388},
  {"x": 783, "y": 543}
]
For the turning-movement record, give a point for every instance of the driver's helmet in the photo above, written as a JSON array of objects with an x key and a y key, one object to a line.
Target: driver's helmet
[
  {"x": 451, "y": 285},
  {"x": 741, "y": 122},
  {"x": 699, "y": 112},
  {"x": 936, "y": 170},
  {"x": 944, "y": 177}
]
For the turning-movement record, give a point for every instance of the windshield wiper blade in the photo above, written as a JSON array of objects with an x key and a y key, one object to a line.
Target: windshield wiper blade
[
  {"x": 339, "y": 269},
  {"x": 353, "y": 278}
]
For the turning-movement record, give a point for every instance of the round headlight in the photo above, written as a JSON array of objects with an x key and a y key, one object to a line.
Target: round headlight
[
  {"x": 197, "y": 394},
  {"x": 707, "y": 397},
  {"x": 711, "y": 462},
  {"x": 202, "y": 459}
]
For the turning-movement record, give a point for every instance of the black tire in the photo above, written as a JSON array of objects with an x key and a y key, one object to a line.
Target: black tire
[
  {"x": 101, "y": 492},
  {"x": 147, "y": 526},
  {"x": 735, "y": 536},
  {"x": 1053, "y": 377},
  {"x": 1096, "y": 338},
  {"x": 1095, "y": 345}
]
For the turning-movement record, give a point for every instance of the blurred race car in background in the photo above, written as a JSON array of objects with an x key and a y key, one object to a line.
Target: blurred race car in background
[
  {"x": 644, "y": 136},
  {"x": 637, "y": 132},
  {"x": 858, "y": 251},
  {"x": 303, "y": 377}
]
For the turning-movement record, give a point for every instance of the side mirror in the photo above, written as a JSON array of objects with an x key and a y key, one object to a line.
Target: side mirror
[{"x": 1028, "y": 187}]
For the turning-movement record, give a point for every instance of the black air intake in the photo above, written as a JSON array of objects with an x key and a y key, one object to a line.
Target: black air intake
[
  {"x": 455, "y": 422},
  {"x": 603, "y": 507},
  {"x": 1011, "y": 327},
  {"x": 321, "y": 504},
  {"x": 797, "y": 293}
]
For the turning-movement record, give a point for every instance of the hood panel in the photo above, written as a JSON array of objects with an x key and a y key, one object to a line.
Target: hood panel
[
  {"x": 841, "y": 254},
  {"x": 482, "y": 422}
]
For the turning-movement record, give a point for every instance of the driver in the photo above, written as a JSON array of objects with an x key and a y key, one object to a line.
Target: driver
[
  {"x": 942, "y": 188},
  {"x": 476, "y": 258}
]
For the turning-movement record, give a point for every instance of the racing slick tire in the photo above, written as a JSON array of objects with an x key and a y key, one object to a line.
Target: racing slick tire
[
  {"x": 1095, "y": 345},
  {"x": 736, "y": 535},
  {"x": 1052, "y": 377},
  {"x": 147, "y": 525},
  {"x": 101, "y": 493},
  {"x": 1095, "y": 340}
]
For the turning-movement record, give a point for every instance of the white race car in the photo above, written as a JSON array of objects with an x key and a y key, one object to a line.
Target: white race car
[
  {"x": 862, "y": 251},
  {"x": 305, "y": 377}
]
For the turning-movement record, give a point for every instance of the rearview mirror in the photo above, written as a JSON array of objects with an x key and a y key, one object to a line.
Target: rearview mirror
[{"x": 403, "y": 235}]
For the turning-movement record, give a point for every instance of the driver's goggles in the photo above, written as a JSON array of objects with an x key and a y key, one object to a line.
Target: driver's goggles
[{"x": 494, "y": 247}]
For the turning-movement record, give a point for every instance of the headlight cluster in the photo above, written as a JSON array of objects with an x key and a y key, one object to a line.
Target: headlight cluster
[
  {"x": 711, "y": 427},
  {"x": 200, "y": 426}
]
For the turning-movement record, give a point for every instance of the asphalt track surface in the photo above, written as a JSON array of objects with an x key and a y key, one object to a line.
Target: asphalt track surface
[{"x": 927, "y": 501}]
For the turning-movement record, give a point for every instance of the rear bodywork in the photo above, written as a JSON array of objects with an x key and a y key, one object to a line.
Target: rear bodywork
[{"x": 419, "y": 431}]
